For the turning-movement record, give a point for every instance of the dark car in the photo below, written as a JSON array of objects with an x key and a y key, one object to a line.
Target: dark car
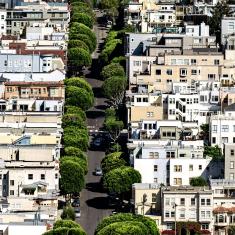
[{"x": 76, "y": 202}]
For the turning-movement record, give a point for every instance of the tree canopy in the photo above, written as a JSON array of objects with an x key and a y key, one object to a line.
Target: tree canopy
[
  {"x": 68, "y": 227},
  {"x": 120, "y": 180},
  {"x": 72, "y": 177},
  {"x": 79, "y": 82},
  {"x": 198, "y": 181},
  {"x": 149, "y": 226},
  {"x": 73, "y": 120},
  {"x": 68, "y": 213},
  {"x": 77, "y": 96},
  {"x": 75, "y": 110},
  {"x": 219, "y": 10},
  {"x": 78, "y": 44},
  {"x": 112, "y": 161},
  {"x": 113, "y": 69},
  {"x": 83, "y": 18},
  {"x": 79, "y": 57},
  {"x": 75, "y": 137},
  {"x": 75, "y": 152},
  {"x": 80, "y": 161},
  {"x": 114, "y": 89},
  {"x": 214, "y": 152}
]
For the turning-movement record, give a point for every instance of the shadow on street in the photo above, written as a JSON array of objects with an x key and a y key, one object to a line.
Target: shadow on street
[
  {"x": 98, "y": 203},
  {"x": 98, "y": 93},
  {"x": 94, "y": 114},
  {"x": 94, "y": 187},
  {"x": 102, "y": 107}
]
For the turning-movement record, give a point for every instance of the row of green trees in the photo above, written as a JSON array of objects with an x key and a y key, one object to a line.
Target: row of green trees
[
  {"x": 82, "y": 40},
  {"x": 127, "y": 223},
  {"x": 73, "y": 163}
]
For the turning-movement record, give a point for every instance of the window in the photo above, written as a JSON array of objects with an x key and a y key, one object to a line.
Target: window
[
  {"x": 200, "y": 167},
  {"x": 182, "y": 214},
  {"x": 136, "y": 63},
  {"x": 215, "y": 98},
  {"x": 231, "y": 25},
  {"x": 208, "y": 202},
  {"x": 155, "y": 167},
  {"x": 211, "y": 76},
  {"x": 149, "y": 114},
  {"x": 231, "y": 176},
  {"x": 167, "y": 201},
  {"x": 214, "y": 128},
  {"x": 12, "y": 182},
  {"x": 205, "y": 226},
  {"x": 225, "y": 128},
  {"x": 232, "y": 152},
  {"x": 177, "y": 181},
  {"x": 193, "y": 61},
  {"x": 224, "y": 140},
  {"x": 167, "y": 214},
  {"x": 194, "y": 72},
  {"x": 155, "y": 180},
  {"x": 170, "y": 154},
  {"x": 192, "y": 214},
  {"x": 169, "y": 71},
  {"x": 30, "y": 176},
  {"x": 234, "y": 140},
  {"x": 190, "y": 167},
  {"x": 56, "y": 176},
  {"x": 216, "y": 62},
  {"x": 183, "y": 72},
  {"x": 158, "y": 72},
  {"x": 203, "y": 202},
  {"x": 182, "y": 201},
  {"x": 231, "y": 164},
  {"x": 11, "y": 192},
  {"x": 177, "y": 168},
  {"x": 193, "y": 201},
  {"x": 213, "y": 140},
  {"x": 154, "y": 197},
  {"x": 42, "y": 176}
]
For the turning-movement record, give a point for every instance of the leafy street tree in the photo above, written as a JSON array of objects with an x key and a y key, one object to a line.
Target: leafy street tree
[
  {"x": 205, "y": 132},
  {"x": 85, "y": 38},
  {"x": 79, "y": 57},
  {"x": 73, "y": 120},
  {"x": 113, "y": 126},
  {"x": 75, "y": 110},
  {"x": 74, "y": 152},
  {"x": 78, "y": 44},
  {"x": 123, "y": 228},
  {"x": 78, "y": 28},
  {"x": 110, "y": 112},
  {"x": 111, "y": 70},
  {"x": 115, "y": 147},
  {"x": 198, "y": 181},
  {"x": 77, "y": 96},
  {"x": 112, "y": 161},
  {"x": 111, "y": 7},
  {"x": 68, "y": 213},
  {"x": 79, "y": 82},
  {"x": 114, "y": 89},
  {"x": 72, "y": 178},
  {"x": 220, "y": 9},
  {"x": 76, "y": 137},
  {"x": 119, "y": 60},
  {"x": 120, "y": 180},
  {"x": 80, "y": 161},
  {"x": 149, "y": 225},
  {"x": 214, "y": 152},
  {"x": 68, "y": 227},
  {"x": 83, "y": 18}
]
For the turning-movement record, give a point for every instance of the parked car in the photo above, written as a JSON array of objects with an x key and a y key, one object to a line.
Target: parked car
[
  {"x": 76, "y": 202},
  {"x": 77, "y": 212},
  {"x": 98, "y": 171}
]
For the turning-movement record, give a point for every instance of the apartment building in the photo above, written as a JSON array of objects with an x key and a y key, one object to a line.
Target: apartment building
[
  {"x": 229, "y": 170},
  {"x": 183, "y": 204},
  {"x": 39, "y": 90},
  {"x": 3, "y": 28},
  {"x": 227, "y": 28},
  {"x": 222, "y": 128},
  {"x": 172, "y": 162},
  {"x": 29, "y": 13}
]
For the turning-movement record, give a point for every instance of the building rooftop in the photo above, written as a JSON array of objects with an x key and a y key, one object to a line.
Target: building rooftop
[{"x": 186, "y": 189}]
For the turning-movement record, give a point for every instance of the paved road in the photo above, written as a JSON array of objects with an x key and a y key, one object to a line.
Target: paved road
[{"x": 93, "y": 202}]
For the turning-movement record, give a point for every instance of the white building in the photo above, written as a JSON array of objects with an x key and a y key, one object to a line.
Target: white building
[
  {"x": 3, "y": 15},
  {"x": 227, "y": 28},
  {"x": 173, "y": 162}
]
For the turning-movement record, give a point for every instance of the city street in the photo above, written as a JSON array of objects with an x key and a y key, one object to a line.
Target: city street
[{"x": 93, "y": 202}]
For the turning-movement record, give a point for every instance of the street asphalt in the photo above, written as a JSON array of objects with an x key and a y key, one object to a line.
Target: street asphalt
[{"x": 94, "y": 204}]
